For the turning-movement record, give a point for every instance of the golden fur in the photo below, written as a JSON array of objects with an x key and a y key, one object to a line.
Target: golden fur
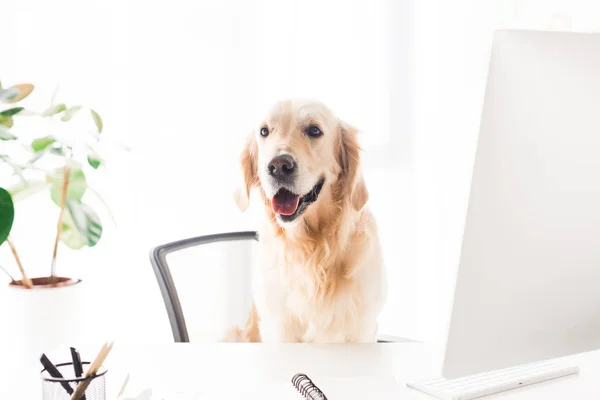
[{"x": 321, "y": 277}]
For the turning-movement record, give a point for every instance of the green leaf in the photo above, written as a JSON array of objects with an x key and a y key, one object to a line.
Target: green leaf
[
  {"x": 7, "y": 214},
  {"x": 40, "y": 144},
  {"x": 18, "y": 169},
  {"x": 6, "y": 95},
  {"x": 70, "y": 234},
  {"x": 6, "y": 116},
  {"x": 94, "y": 162},
  {"x": 28, "y": 113},
  {"x": 97, "y": 120},
  {"x": 69, "y": 113},
  {"x": 57, "y": 151},
  {"x": 25, "y": 189},
  {"x": 55, "y": 109},
  {"x": 94, "y": 158},
  {"x": 11, "y": 111},
  {"x": 76, "y": 188},
  {"x": 6, "y": 121},
  {"x": 81, "y": 226},
  {"x": 35, "y": 158},
  {"x": 15, "y": 93},
  {"x": 5, "y": 134}
]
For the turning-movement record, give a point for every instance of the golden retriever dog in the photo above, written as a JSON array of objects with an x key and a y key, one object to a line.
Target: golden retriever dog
[{"x": 320, "y": 278}]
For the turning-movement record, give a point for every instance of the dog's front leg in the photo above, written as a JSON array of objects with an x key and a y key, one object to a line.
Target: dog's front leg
[{"x": 274, "y": 331}]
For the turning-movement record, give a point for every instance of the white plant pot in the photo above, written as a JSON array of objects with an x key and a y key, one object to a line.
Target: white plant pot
[{"x": 36, "y": 321}]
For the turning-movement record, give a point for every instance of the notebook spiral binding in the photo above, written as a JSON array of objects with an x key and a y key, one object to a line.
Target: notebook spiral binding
[{"x": 307, "y": 388}]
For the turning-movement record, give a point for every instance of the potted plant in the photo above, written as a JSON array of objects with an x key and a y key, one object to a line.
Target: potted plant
[{"x": 45, "y": 311}]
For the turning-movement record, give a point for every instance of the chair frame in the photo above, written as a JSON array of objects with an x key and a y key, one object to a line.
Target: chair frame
[{"x": 158, "y": 259}]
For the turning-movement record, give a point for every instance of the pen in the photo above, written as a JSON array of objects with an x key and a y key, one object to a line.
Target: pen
[
  {"x": 53, "y": 371},
  {"x": 77, "y": 366},
  {"x": 76, "y": 362}
]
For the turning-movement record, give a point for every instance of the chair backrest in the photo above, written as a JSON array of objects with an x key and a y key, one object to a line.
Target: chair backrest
[
  {"x": 219, "y": 283},
  {"x": 234, "y": 252}
]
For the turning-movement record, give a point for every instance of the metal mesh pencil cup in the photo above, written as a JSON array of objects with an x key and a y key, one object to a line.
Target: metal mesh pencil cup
[{"x": 56, "y": 388}]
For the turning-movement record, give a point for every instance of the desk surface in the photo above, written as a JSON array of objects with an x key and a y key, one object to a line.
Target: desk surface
[{"x": 233, "y": 366}]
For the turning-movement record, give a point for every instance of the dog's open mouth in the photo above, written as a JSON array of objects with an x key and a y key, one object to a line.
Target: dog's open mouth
[{"x": 288, "y": 206}]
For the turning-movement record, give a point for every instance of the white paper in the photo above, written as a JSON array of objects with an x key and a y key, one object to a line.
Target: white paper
[{"x": 360, "y": 388}]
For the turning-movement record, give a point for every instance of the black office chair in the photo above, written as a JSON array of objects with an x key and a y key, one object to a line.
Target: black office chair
[{"x": 158, "y": 258}]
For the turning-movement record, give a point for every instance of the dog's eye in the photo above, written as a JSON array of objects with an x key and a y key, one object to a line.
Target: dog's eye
[
  {"x": 314, "y": 131},
  {"x": 264, "y": 132}
]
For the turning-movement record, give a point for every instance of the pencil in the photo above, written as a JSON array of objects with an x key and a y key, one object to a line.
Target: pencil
[
  {"x": 123, "y": 386},
  {"x": 92, "y": 370}
]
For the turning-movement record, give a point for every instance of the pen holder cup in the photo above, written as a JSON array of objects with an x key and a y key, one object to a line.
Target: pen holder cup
[{"x": 56, "y": 388}]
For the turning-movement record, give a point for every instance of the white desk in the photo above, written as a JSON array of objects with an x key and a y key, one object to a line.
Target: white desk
[{"x": 232, "y": 365}]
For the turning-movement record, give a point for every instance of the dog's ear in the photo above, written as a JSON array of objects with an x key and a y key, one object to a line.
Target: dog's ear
[
  {"x": 349, "y": 159},
  {"x": 248, "y": 161}
]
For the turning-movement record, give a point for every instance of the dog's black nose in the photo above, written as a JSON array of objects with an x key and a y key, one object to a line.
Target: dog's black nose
[{"x": 282, "y": 166}]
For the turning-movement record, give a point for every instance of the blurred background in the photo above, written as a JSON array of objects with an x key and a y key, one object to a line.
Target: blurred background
[{"x": 181, "y": 83}]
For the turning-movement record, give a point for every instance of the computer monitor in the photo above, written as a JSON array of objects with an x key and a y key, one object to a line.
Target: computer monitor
[{"x": 528, "y": 282}]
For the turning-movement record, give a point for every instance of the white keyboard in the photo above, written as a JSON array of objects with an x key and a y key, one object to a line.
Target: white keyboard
[{"x": 475, "y": 386}]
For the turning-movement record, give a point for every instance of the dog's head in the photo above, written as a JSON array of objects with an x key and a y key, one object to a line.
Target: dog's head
[{"x": 301, "y": 156}]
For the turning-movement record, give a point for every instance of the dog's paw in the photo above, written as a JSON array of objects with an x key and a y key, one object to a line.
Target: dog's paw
[
  {"x": 241, "y": 335},
  {"x": 234, "y": 335}
]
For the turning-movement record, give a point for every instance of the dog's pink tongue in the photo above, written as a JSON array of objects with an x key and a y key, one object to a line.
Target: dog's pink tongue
[{"x": 285, "y": 203}]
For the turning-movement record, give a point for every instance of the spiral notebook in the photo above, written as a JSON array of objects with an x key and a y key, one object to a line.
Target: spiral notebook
[
  {"x": 359, "y": 388},
  {"x": 299, "y": 387},
  {"x": 307, "y": 388}
]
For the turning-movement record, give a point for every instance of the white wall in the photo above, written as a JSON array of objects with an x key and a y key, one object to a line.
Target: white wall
[{"x": 182, "y": 82}]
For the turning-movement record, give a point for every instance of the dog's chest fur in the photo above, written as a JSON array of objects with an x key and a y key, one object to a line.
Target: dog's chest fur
[{"x": 311, "y": 295}]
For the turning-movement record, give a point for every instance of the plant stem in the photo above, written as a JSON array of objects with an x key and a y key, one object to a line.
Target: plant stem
[
  {"x": 26, "y": 281},
  {"x": 6, "y": 272},
  {"x": 63, "y": 201},
  {"x": 18, "y": 170}
]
